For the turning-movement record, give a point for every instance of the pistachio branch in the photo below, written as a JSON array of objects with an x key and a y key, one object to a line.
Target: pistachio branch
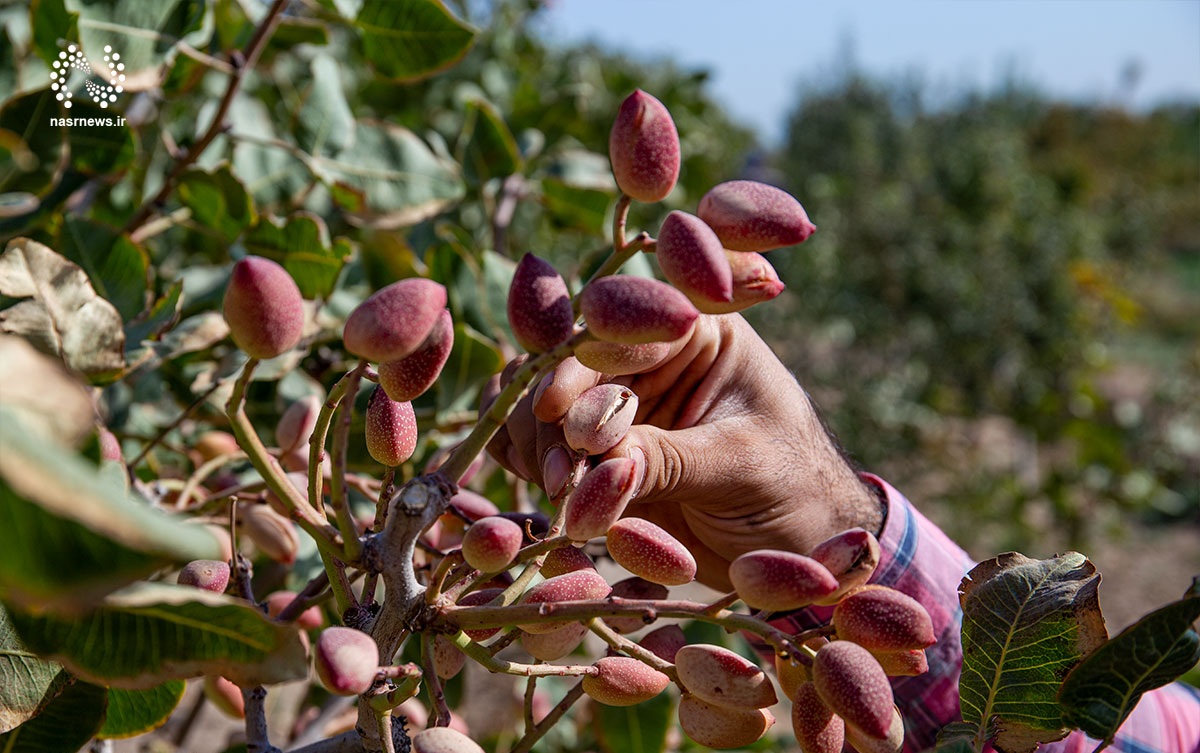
[
  {"x": 502, "y": 666},
  {"x": 316, "y": 443},
  {"x": 625, "y": 645},
  {"x": 337, "y": 484},
  {"x": 328, "y": 539},
  {"x": 437, "y": 693},
  {"x": 472, "y": 617},
  {"x": 500, "y": 409},
  {"x": 257, "y": 737}
]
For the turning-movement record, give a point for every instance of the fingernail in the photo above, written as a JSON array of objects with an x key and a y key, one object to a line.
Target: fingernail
[
  {"x": 638, "y": 456},
  {"x": 556, "y": 470},
  {"x": 542, "y": 385},
  {"x": 516, "y": 463}
]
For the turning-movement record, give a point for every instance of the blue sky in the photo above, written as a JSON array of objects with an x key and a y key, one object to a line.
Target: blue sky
[{"x": 759, "y": 51}]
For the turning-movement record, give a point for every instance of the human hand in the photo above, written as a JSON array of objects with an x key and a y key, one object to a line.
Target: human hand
[{"x": 733, "y": 456}]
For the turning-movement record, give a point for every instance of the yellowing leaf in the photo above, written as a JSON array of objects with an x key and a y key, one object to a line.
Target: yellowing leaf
[{"x": 61, "y": 315}]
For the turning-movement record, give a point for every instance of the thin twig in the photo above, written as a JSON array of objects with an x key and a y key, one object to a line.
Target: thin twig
[
  {"x": 328, "y": 538},
  {"x": 490, "y": 422},
  {"x": 526, "y": 743},
  {"x": 530, "y": 691},
  {"x": 724, "y": 602},
  {"x": 248, "y": 58},
  {"x": 316, "y": 443},
  {"x": 314, "y": 731},
  {"x": 385, "y": 731},
  {"x": 506, "y": 207},
  {"x": 437, "y": 694},
  {"x": 163, "y": 432},
  {"x": 338, "y": 498},
  {"x": 474, "y": 617},
  {"x": 623, "y": 644},
  {"x": 309, "y": 596},
  {"x": 200, "y": 474},
  {"x": 492, "y": 664}
]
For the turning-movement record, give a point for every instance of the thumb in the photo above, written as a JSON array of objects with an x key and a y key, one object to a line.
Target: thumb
[{"x": 674, "y": 464}]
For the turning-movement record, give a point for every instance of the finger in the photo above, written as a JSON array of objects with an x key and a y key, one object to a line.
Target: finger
[
  {"x": 556, "y": 461},
  {"x": 510, "y": 369},
  {"x": 502, "y": 446},
  {"x": 559, "y": 389},
  {"x": 498, "y": 446},
  {"x": 676, "y": 465}
]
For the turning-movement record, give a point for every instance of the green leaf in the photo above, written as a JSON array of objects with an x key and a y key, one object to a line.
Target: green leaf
[
  {"x": 476, "y": 284},
  {"x": 157, "y": 319},
  {"x": 272, "y": 174},
  {"x": 294, "y": 30},
  {"x": 1100, "y": 693},
  {"x": 232, "y": 26},
  {"x": 51, "y": 21},
  {"x": 408, "y": 40},
  {"x": 574, "y": 207},
  {"x": 497, "y": 279},
  {"x": 325, "y": 123},
  {"x": 194, "y": 334},
  {"x": 115, "y": 265},
  {"x": 61, "y": 315},
  {"x": 31, "y": 150},
  {"x": 184, "y": 72},
  {"x": 583, "y": 169},
  {"x": 97, "y": 149},
  {"x": 151, "y": 632},
  {"x": 489, "y": 149},
  {"x": 472, "y": 361},
  {"x": 400, "y": 179},
  {"x": 634, "y": 729},
  {"x": 301, "y": 244},
  {"x": 1026, "y": 624},
  {"x": 218, "y": 200},
  {"x": 27, "y": 682},
  {"x": 142, "y": 32},
  {"x": 135, "y": 712},
  {"x": 66, "y": 724},
  {"x": 68, "y": 537},
  {"x": 956, "y": 737}
]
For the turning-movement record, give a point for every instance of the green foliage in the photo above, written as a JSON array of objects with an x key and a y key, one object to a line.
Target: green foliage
[
  {"x": 988, "y": 298},
  {"x": 1099, "y": 694},
  {"x": 643, "y": 727},
  {"x": 407, "y": 40},
  {"x": 68, "y": 536},
  {"x": 134, "y": 712},
  {"x": 141, "y": 635}
]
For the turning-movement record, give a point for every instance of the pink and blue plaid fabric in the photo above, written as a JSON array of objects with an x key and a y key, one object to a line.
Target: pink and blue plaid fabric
[{"x": 920, "y": 560}]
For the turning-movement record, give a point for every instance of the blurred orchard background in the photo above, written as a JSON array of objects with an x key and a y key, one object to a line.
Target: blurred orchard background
[{"x": 1000, "y": 311}]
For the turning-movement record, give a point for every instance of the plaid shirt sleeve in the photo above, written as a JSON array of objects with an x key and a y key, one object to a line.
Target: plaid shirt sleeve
[{"x": 920, "y": 560}]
